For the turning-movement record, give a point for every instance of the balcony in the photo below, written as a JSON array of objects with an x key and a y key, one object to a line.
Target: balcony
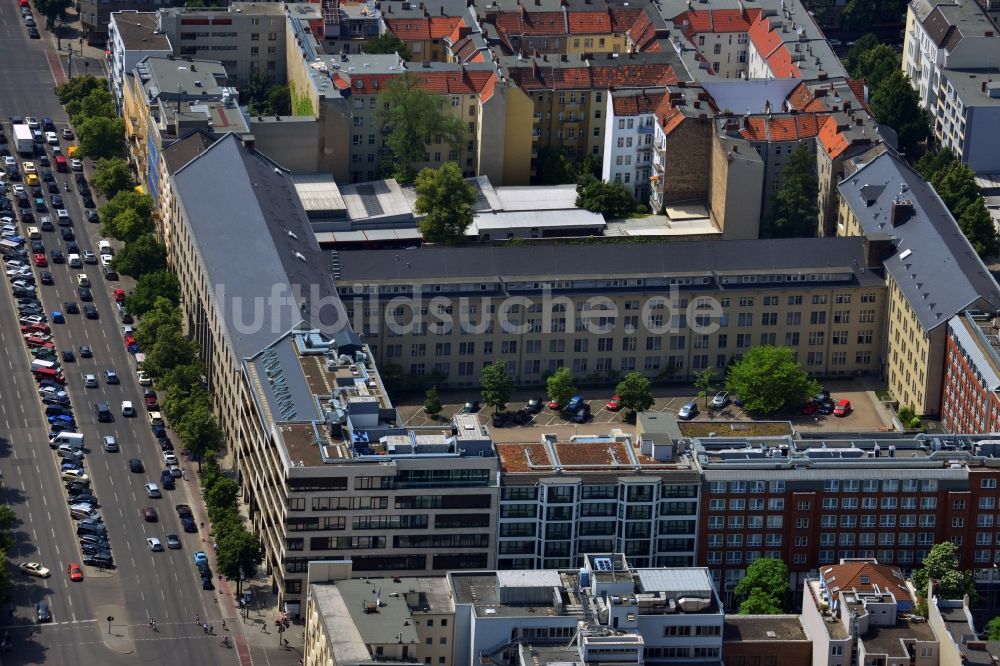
[{"x": 646, "y": 129}]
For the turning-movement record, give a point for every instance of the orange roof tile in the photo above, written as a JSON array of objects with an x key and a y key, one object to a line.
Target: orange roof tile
[
  {"x": 421, "y": 29},
  {"x": 642, "y": 30},
  {"x": 589, "y": 23},
  {"x": 531, "y": 23},
  {"x": 488, "y": 88},
  {"x": 833, "y": 140},
  {"x": 695, "y": 21},
  {"x": 784, "y": 127},
  {"x": 763, "y": 38},
  {"x": 452, "y": 82},
  {"x": 633, "y": 76},
  {"x": 781, "y": 65},
  {"x": 864, "y": 576},
  {"x": 634, "y": 105},
  {"x": 622, "y": 18},
  {"x": 672, "y": 121},
  {"x": 858, "y": 86}
]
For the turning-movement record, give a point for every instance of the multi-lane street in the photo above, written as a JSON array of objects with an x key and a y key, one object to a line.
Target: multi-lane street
[{"x": 144, "y": 584}]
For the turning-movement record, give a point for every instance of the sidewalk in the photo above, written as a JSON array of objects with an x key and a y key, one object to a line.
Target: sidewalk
[{"x": 257, "y": 632}]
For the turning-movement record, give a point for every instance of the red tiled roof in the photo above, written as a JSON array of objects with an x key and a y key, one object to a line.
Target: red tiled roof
[
  {"x": 421, "y": 29},
  {"x": 833, "y": 141},
  {"x": 634, "y": 105},
  {"x": 864, "y": 576},
  {"x": 672, "y": 121},
  {"x": 696, "y": 21},
  {"x": 596, "y": 77},
  {"x": 803, "y": 99},
  {"x": 622, "y": 18},
  {"x": 781, "y": 65},
  {"x": 531, "y": 23},
  {"x": 456, "y": 82},
  {"x": 589, "y": 23},
  {"x": 763, "y": 38},
  {"x": 488, "y": 88},
  {"x": 785, "y": 127},
  {"x": 858, "y": 86},
  {"x": 642, "y": 30}
]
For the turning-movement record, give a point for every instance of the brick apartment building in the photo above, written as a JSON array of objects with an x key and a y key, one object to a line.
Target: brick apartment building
[
  {"x": 969, "y": 398},
  {"x": 815, "y": 502}
]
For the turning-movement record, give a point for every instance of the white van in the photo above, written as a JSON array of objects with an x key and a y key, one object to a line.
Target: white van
[
  {"x": 39, "y": 363},
  {"x": 155, "y": 418},
  {"x": 74, "y": 261},
  {"x": 104, "y": 247},
  {"x": 74, "y": 439},
  {"x": 34, "y": 233},
  {"x": 127, "y": 408}
]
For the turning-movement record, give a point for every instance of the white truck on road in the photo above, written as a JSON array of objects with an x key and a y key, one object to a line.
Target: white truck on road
[{"x": 23, "y": 140}]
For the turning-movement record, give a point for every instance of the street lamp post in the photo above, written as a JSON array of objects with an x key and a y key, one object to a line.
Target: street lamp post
[{"x": 111, "y": 618}]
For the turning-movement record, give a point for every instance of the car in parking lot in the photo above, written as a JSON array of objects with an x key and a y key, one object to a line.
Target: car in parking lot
[
  {"x": 100, "y": 561},
  {"x": 149, "y": 514},
  {"x": 688, "y": 411},
  {"x": 720, "y": 400},
  {"x": 843, "y": 408},
  {"x": 135, "y": 466},
  {"x": 76, "y": 476},
  {"x": 614, "y": 404},
  {"x": 83, "y": 498}
]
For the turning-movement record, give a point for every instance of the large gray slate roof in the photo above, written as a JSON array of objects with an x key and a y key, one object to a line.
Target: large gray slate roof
[
  {"x": 935, "y": 266},
  {"x": 604, "y": 259},
  {"x": 254, "y": 240}
]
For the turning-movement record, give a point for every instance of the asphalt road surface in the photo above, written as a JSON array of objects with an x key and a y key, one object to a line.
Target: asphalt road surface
[{"x": 162, "y": 585}]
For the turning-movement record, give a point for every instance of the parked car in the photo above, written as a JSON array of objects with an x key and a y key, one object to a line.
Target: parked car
[
  {"x": 688, "y": 411},
  {"x": 843, "y": 408},
  {"x": 720, "y": 400}
]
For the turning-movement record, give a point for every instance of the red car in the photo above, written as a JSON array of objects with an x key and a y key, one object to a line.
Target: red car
[
  {"x": 614, "y": 404},
  {"x": 843, "y": 408},
  {"x": 75, "y": 572},
  {"x": 35, "y": 328},
  {"x": 40, "y": 259},
  {"x": 22, "y": 3},
  {"x": 553, "y": 404},
  {"x": 119, "y": 295},
  {"x": 810, "y": 408},
  {"x": 149, "y": 514},
  {"x": 35, "y": 341},
  {"x": 129, "y": 341}
]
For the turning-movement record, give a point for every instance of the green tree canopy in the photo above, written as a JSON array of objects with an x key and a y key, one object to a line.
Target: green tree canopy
[
  {"x": 78, "y": 88},
  {"x": 496, "y": 385},
  {"x": 387, "y": 43},
  {"x": 143, "y": 255},
  {"x": 199, "y": 432},
  {"x": 795, "y": 212},
  {"x": 705, "y": 381},
  {"x": 112, "y": 176},
  {"x": 414, "y": 118},
  {"x": 560, "y": 387},
  {"x": 279, "y": 100},
  {"x": 993, "y": 629},
  {"x": 445, "y": 200},
  {"x": 432, "y": 402},
  {"x": 769, "y": 378},
  {"x": 858, "y": 14},
  {"x": 635, "y": 392},
  {"x": 151, "y": 286},
  {"x": 186, "y": 378},
  {"x": 862, "y": 44},
  {"x": 554, "y": 167},
  {"x": 96, "y": 104},
  {"x": 760, "y": 603},
  {"x": 127, "y": 228},
  {"x": 170, "y": 350},
  {"x": 255, "y": 93},
  {"x": 977, "y": 225},
  {"x": 941, "y": 565},
  {"x": 875, "y": 63},
  {"x": 101, "y": 137},
  {"x": 240, "y": 554},
  {"x": 8, "y": 519},
  {"x": 896, "y": 104},
  {"x": 161, "y": 318},
  {"x": 52, "y": 9},
  {"x": 956, "y": 185},
  {"x": 221, "y": 494},
  {"x": 613, "y": 200},
  {"x": 935, "y": 161},
  {"x": 766, "y": 582}
]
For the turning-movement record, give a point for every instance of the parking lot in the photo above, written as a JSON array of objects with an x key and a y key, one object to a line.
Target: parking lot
[{"x": 864, "y": 417}]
